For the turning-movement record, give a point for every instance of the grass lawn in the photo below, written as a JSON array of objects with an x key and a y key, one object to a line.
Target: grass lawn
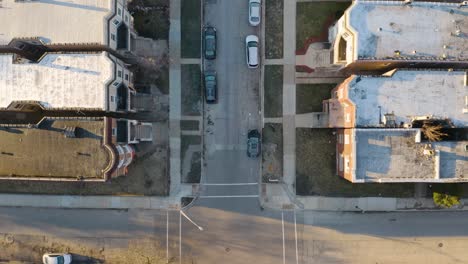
[
  {"x": 151, "y": 18},
  {"x": 309, "y": 97},
  {"x": 189, "y": 125},
  {"x": 190, "y": 23},
  {"x": 316, "y": 170},
  {"x": 190, "y": 173},
  {"x": 274, "y": 29},
  {"x": 313, "y": 19},
  {"x": 273, "y": 88},
  {"x": 191, "y": 89},
  {"x": 272, "y": 151}
]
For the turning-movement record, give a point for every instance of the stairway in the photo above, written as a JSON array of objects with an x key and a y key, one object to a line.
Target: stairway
[{"x": 143, "y": 132}]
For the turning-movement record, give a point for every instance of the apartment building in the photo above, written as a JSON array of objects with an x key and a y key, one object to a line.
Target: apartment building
[
  {"x": 63, "y": 148},
  {"x": 100, "y": 23},
  {"x": 384, "y": 126},
  {"x": 383, "y": 35},
  {"x": 83, "y": 81},
  {"x": 65, "y": 83}
]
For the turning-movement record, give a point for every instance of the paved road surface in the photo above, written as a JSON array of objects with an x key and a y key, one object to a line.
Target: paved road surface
[{"x": 237, "y": 233}]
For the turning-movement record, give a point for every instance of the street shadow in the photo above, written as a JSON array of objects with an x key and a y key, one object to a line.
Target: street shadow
[
  {"x": 73, "y": 5},
  {"x": 11, "y": 130},
  {"x": 81, "y": 259}
]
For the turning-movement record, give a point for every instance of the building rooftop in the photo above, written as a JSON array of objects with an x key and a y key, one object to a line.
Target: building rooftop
[
  {"x": 431, "y": 29},
  {"x": 77, "y": 21},
  {"x": 46, "y": 152},
  {"x": 393, "y": 155},
  {"x": 58, "y": 80},
  {"x": 410, "y": 93}
]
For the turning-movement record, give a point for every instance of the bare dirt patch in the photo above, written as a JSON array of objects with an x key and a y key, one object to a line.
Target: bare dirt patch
[
  {"x": 273, "y": 89},
  {"x": 274, "y": 29},
  {"x": 272, "y": 152}
]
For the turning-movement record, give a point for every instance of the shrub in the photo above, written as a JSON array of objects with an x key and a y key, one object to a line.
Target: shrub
[{"x": 445, "y": 200}]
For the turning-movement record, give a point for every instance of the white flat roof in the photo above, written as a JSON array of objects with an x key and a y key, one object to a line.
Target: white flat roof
[
  {"x": 392, "y": 155},
  {"x": 69, "y": 21},
  {"x": 58, "y": 80},
  {"x": 386, "y": 26},
  {"x": 410, "y": 93}
]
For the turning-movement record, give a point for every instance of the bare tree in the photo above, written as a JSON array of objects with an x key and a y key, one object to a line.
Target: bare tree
[{"x": 433, "y": 132}]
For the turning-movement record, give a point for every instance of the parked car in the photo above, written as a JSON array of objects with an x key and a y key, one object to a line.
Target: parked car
[
  {"x": 211, "y": 91},
  {"x": 56, "y": 258},
  {"x": 255, "y": 7},
  {"x": 253, "y": 143},
  {"x": 251, "y": 49},
  {"x": 209, "y": 43}
]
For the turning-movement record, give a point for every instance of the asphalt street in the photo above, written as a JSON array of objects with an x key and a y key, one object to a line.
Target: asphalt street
[{"x": 234, "y": 233}]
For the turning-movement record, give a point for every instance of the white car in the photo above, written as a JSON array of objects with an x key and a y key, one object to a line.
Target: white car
[
  {"x": 255, "y": 7},
  {"x": 56, "y": 258},
  {"x": 251, "y": 49}
]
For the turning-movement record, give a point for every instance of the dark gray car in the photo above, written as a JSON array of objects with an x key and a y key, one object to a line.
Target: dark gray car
[
  {"x": 209, "y": 43},
  {"x": 211, "y": 91},
  {"x": 253, "y": 143}
]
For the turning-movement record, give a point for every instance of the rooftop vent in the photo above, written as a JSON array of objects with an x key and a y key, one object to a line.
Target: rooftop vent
[{"x": 389, "y": 120}]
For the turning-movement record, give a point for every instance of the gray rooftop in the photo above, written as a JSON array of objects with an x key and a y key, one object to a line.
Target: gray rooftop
[
  {"x": 386, "y": 26},
  {"x": 410, "y": 93},
  {"x": 58, "y": 80},
  {"x": 393, "y": 155},
  {"x": 77, "y": 21}
]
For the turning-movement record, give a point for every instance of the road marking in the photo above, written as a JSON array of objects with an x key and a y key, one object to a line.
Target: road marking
[
  {"x": 229, "y": 196},
  {"x": 295, "y": 235},
  {"x": 227, "y": 184},
  {"x": 282, "y": 228},
  {"x": 167, "y": 236},
  {"x": 230, "y": 147},
  {"x": 180, "y": 238}
]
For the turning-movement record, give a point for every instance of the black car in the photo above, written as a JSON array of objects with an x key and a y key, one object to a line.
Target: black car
[
  {"x": 209, "y": 43},
  {"x": 253, "y": 143},
  {"x": 210, "y": 87}
]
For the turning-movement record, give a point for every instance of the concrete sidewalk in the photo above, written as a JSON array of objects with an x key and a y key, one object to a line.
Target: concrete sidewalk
[
  {"x": 97, "y": 202},
  {"x": 174, "y": 95},
  {"x": 275, "y": 197},
  {"x": 289, "y": 94}
]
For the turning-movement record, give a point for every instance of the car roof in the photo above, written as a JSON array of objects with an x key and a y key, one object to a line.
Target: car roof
[
  {"x": 253, "y": 55},
  {"x": 255, "y": 11}
]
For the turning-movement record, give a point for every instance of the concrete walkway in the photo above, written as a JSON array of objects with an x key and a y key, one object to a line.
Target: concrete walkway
[
  {"x": 97, "y": 202},
  {"x": 174, "y": 95},
  {"x": 275, "y": 197},
  {"x": 289, "y": 94}
]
